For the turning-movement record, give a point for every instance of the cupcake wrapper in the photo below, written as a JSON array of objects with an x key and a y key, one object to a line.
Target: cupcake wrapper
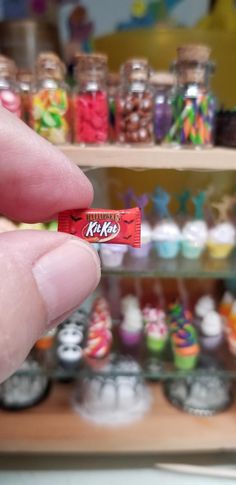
[
  {"x": 112, "y": 261},
  {"x": 211, "y": 343},
  {"x": 185, "y": 363},
  {"x": 155, "y": 345},
  {"x": 191, "y": 251},
  {"x": 167, "y": 249},
  {"x": 141, "y": 252},
  {"x": 130, "y": 338}
]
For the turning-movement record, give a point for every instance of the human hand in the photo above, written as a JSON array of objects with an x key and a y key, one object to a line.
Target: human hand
[{"x": 44, "y": 275}]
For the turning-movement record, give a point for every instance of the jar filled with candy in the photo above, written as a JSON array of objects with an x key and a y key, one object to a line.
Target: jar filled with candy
[
  {"x": 134, "y": 106},
  {"x": 194, "y": 105},
  {"x": 162, "y": 83},
  {"x": 50, "y": 103},
  {"x": 113, "y": 84},
  {"x": 25, "y": 83},
  {"x": 9, "y": 93},
  {"x": 91, "y": 100}
]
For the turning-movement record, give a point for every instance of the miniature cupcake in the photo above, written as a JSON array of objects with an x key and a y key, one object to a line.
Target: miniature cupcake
[
  {"x": 185, "y": 347},
  {"x": 69, "y": 355},
  {"x": 131, "y": 327},
  {"x": 166, "y": 233},
  {"x": 112, "y": 255},
  {"x": 211, "y": 327},
  {"x": 226, "y": 304},
  {"x": 167, "y": 237},
  {"x": 194, "y": 239},
  {"x": 146, "y": 242},
  {"x": 221, "y": 240},
  {"x": 129, "y": 301},
  {"x": 156, "y": 334}
]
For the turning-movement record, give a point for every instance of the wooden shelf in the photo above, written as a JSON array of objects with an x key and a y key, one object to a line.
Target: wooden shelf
[
  {"x": 53, "y": 427},
  {"x": 152, "y": 157}
]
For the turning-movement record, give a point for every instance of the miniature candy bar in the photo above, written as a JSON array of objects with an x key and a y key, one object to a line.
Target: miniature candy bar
[{"x": 103, "y": 225}]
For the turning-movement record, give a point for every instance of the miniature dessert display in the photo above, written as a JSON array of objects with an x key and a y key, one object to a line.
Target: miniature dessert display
[
  {"x": 211, "y": 331},
  {"x": 134, "y": 107},
  {"x": 195, "y": 232},
  {"x": 193, "y": 104},
  {"x": 221, "y": 239},
  {"x": 91, "y": 99},
  {"x": 69, "y": 355},
  {"x": 103, "y": 225},
  {"x": 202, "y": 394},
  {"x": 112, "y": 255},
  {"x": 118, "y": 395},
  {"x": 50, "y": 105},
  {"x": 26, "y": 388},
  {"x": 166, "y": 233},
  {"x": 156, "y": 329}
]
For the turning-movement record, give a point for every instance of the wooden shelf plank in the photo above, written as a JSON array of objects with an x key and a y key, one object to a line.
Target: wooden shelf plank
[
  {"x": 53, "y": 427},
  {"x": 152, "y": 157}
]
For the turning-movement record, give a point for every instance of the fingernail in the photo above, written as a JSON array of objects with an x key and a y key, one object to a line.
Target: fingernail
[{"x": 66, "y": 276}]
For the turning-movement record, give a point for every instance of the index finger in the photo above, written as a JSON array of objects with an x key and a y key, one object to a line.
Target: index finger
[{"x": 36, "y": 180}]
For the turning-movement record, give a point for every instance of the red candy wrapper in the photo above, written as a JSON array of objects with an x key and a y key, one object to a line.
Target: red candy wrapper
[{"x": 103, "y": 225}]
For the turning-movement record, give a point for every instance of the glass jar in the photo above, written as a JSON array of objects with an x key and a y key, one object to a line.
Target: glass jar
[
  {"x": 134, "y": 106},
  {"x": 91, "y": 99},
  {"x": 25, "y": 84},
  {"x": 50, "y": 102},
  {"x": 194, "y": 105},
  {"x": 113, "y": 84},
  {"x": 9, "y": 92},
  {"x": 162, "y": 83}
]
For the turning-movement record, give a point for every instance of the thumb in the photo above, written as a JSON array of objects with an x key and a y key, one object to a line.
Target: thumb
[{"x": 44, "y": 276}]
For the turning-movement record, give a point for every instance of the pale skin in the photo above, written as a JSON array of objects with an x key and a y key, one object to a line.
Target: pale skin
[{"x": 44, "y": 275}]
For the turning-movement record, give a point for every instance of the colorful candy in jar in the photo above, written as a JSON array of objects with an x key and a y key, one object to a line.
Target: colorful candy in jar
[
  {"x": 194, "y": 105},
  {"x": 91, "y": 100},
  {"x": 134, "y": 105},
  {"x": 162, "y": 83},
  {"x": 50, "y": 104},
  {"x": 9, "y": 94}
]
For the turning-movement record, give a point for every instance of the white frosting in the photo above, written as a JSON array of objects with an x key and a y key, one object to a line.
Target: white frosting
[
  {"x": 166, "y": 231},
  {"x": 133, "y": 320},
  {"x": 223, "y": 233},
  {"x": 146, "y": 232},
  {"x": 129, "y": 301},
  {"x": 195, "y": 232},
  {"x": 204, "y": 305},
  {"x": 212, "y": 324},
  {"x": 69, "y": 353},
  {"x": 70, "y": 335},
  {"x": 233, "y": 309}
]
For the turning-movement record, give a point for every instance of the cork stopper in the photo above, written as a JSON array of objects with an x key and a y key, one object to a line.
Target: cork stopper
[
  {"x": 24, "y": 76},
  {"x": 193, "y": 53},
  {"x": 7, "y": 67},
  {"x": 162, "y": 78},
  {"x": 91, "y": 61},
  {"x": 136, "y": 69},
  {"x": 49, "y": 65}
]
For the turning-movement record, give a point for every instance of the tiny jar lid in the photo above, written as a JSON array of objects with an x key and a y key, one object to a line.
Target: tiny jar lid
[
  {"x": 49, "y": 65},
  {"x": 25, "y": 78},
  {"x": 162, "y": 78},
  {"x": 136, "y": 69},
  {"x": 194, "y": 53},
  {"x": 91, "y": 67},
  {"x": 7, "y": 67}
]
